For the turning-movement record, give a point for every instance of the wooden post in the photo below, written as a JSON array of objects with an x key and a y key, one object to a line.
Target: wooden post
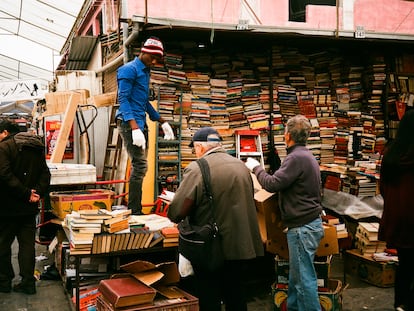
[{"x": 68, "y": 118}]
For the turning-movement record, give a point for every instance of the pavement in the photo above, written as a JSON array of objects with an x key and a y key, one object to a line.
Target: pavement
[{"x": 51, "y": 295}]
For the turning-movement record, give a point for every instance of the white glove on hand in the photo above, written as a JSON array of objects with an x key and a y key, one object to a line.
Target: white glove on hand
[
  {"x": 138, "y": 138},
  {"x": 251, "y": 163},
  {"x": 168, "y": 131}
]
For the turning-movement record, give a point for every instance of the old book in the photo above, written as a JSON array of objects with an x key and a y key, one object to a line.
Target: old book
[
  {"x": 120, "y": 225},
  {"x": 148, "y": 239},
  {"x": 156, "y": 239},
  {"x": 126, "y": 291},
  {"x": 95, "y": 214},
  {"x": 330, "y": 220},
  {"x": 170, "y": 232},
  {"x": 171, "y": 240}
]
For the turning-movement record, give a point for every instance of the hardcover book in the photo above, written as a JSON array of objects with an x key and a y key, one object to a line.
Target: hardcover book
[{"x": 126, "y": 291}]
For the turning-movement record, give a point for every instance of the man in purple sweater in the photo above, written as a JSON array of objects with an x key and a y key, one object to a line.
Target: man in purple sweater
[{"x": 298, "y": 182}]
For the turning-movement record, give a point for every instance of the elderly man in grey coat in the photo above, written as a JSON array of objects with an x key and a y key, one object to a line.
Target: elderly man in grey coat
[{"x": 235, "y": 214}]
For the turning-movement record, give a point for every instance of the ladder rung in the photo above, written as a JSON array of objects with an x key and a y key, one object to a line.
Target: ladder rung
[{"x": 257, "y": 154}]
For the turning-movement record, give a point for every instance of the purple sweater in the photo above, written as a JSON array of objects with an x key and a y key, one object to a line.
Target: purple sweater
[{"x": 298, "y": 182}]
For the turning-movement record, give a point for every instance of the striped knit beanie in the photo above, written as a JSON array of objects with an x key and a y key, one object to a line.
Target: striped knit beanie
[{"x": 153, "y": 46}]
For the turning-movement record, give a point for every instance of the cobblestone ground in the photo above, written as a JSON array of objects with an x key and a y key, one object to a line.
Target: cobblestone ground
[{"x": 51, "y": 295}]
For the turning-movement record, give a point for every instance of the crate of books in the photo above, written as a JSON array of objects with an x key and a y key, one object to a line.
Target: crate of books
[
  {"x": 330, "y": 297},
  {"x": 64, "y": 202},
  {"x": 145, "y": 286},
  {"x": 185, "y": 303},
  {"x": 378, "y": 273}
]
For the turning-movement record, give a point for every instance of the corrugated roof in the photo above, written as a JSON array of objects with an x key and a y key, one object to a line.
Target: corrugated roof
[{"x": 43, "y": 23}]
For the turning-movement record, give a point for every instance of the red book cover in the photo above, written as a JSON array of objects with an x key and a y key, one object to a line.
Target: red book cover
[{"x": 126, "y": 291}]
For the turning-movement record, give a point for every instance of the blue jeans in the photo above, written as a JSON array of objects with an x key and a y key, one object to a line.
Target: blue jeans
[
  {"x": 139, "y": 167},
  {"x": 303, "y": 287}
]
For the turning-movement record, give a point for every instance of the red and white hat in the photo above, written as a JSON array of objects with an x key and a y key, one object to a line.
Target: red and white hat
[{"x": 153, "y": 46}]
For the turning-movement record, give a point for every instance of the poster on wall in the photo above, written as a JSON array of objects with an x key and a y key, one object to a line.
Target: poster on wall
[{"x": 52, "y": 133}]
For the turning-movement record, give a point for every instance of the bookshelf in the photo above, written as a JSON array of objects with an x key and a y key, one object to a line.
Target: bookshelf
[{"x": 168, "y": 152}]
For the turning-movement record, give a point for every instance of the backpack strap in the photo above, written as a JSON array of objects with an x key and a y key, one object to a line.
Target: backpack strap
[{"x": 205, "y": 172}]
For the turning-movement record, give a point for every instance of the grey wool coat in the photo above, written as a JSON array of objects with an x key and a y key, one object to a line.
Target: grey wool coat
[{"x": 233, "y": 197}]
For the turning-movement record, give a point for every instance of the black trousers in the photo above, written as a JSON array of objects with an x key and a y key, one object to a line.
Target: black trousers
[
  {"x": 24, "y": 229},
  {"x": 225, "y": 285},
  {"x": 404, "y": 279}
]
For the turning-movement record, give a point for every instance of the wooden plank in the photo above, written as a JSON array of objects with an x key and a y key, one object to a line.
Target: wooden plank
[{"x": 68, "y": 118}]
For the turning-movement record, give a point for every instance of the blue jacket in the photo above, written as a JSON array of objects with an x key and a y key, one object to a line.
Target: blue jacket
[
  {"x": 133, "y": 93},
  {"x": 299, "y": 182}
]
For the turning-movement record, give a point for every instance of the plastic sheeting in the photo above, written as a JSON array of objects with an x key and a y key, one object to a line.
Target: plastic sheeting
[{"x": 351, "y": 205}]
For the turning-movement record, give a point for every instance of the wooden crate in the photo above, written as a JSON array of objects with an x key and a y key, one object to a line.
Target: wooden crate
[
  {"x": 187, "y": 303},
  {"x": 381, "y": 274}
]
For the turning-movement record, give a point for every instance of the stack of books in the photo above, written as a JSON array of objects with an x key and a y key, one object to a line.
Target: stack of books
[
  {"x": 341, "y": 230},
  {"x": 119, "y": 221},
  {"x": 170, "y": 236},
  {"x": 366, "y": 238}
]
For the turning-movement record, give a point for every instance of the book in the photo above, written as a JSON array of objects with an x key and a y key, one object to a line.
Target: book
[
  {"x": 95, "y": 214},
  {"x": 119, "y": 225},
  {"x": 330, "y": 220},
  {"x": 156, "y": 238},
  {"x": 126, "y": 291},
  {"x": 170, "y": 232}
]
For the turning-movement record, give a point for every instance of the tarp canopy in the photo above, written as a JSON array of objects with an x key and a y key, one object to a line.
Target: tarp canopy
[{"x": 32, "y": 34}]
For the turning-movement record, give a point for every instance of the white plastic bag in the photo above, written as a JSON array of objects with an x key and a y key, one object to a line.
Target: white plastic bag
[{"x": 184, "y": 266}]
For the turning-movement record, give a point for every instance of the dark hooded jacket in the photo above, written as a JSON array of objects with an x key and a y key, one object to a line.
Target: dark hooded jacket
[{"x": 22, "y": 168}]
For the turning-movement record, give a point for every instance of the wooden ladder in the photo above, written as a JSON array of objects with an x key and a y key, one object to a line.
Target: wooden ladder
[{"x": 116, "y": 157}]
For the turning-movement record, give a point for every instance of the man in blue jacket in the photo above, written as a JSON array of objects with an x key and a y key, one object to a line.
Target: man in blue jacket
[{"x": 133, "y": 97}]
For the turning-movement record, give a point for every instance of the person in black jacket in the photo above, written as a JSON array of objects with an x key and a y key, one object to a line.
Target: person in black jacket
[{"x": 24, "y": 179}]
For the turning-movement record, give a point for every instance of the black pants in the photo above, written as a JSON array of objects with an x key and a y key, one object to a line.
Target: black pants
[
  {"x": 24, "y": 229},
  {"x": 404, "y": 279},
  {"x": 226, "y": 284}
]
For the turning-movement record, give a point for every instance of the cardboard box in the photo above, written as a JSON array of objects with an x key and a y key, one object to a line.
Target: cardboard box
[
  {"x": 103, "y": 100},
  {"x": 64, "y": 202},
  {"x": 159, "y": 276},
  {"x": 56, "y": 102},
  {"x": 330, "y": 300},
  {"x": 327, "y": 246},
  {"x": 271, "y": 226},
  {"x": 268, "y": 214},
  {"x": 381, "y": 274},
  {"x": 322, "y": 266}
]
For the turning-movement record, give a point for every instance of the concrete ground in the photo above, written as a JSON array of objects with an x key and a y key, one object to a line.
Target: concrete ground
[{"x": 51, "y": 295}]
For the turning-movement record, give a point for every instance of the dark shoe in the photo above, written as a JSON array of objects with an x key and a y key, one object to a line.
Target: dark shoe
[{"x": 25, "y": 289}]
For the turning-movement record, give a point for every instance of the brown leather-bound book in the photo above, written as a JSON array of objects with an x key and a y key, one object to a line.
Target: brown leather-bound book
[{"x": 126, "y": 291}]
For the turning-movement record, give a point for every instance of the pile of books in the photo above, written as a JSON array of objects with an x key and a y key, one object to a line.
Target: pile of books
[
  {"x": 341, "y": 230},
  {"x": 170, "y": 236},
  {"x": 366, "y": 238}
]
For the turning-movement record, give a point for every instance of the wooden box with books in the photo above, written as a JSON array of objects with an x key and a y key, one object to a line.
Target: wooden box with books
[
  {"x": 186, "y": 302},
  {"x": 381, "y": 274}
]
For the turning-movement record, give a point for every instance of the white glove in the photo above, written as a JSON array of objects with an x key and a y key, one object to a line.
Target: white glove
[
  {"x": 252, "y": 163},
  {"x": 168, "y": 132},
  {"x": 138, "y": 138}
]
